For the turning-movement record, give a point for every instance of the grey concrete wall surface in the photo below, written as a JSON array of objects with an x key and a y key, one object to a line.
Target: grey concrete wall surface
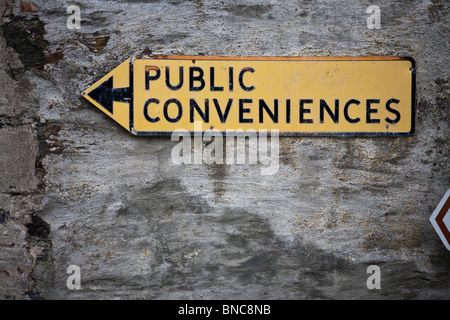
[{"x": 77, "y": 189}]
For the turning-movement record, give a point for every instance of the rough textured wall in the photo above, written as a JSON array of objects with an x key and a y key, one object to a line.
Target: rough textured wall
[{"x": 75, "y": 188}]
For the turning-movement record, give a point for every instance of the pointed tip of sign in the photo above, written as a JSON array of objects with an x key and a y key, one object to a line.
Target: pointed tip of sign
[{"x": 104, "y": 94}]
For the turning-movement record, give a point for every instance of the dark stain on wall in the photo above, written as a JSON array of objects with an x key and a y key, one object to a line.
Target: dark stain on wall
[
  {"x": 26, "y": 36},
  {"x": 38, "y": 227},
  {"x": 3, "y": 216}
]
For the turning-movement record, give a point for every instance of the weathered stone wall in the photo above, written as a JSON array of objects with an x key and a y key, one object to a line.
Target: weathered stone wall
[{"x": 77, "y": 189}]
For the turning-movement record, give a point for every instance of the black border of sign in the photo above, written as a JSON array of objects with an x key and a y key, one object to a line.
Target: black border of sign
[{"x": 292, "y": 134}]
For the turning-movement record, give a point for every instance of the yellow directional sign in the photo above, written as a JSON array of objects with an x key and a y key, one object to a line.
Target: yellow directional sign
[{"x": 313, "y": 96}]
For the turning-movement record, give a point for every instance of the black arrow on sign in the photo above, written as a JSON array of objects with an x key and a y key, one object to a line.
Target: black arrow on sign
[{"x": 105, "y": 94}]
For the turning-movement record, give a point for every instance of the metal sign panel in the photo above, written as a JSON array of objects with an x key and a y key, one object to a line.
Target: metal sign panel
[
  {"x": 440, "y": 219},
  {"x": 314, "y": 96}
]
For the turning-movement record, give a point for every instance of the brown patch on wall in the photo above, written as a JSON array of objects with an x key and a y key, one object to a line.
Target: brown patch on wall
[
  {"x": 55, "y": 56},
  {"x": 27, "y": 6},
  {"x": 96, "y": 41}
]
